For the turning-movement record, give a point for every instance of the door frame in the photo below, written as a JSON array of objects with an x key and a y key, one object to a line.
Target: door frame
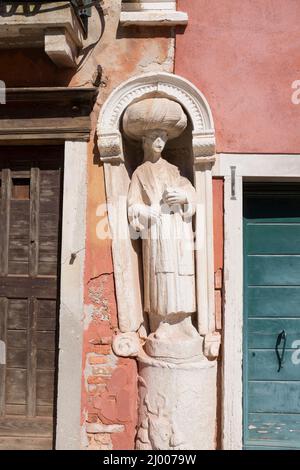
[
  {"x": 237, "y": 169},
  {"x": 68, "y": 401}
]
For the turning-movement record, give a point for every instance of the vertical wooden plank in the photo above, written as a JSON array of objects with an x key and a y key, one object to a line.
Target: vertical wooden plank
[
  {"x": 5, "y": 214},
  {"x": 31, "y": 358},
  {"x": 34, "y": 221},
  {"x": 3, "y": 329}
]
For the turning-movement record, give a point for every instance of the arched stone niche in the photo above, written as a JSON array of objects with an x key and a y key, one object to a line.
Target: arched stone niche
[
  {"x": 177, "y": 389},
  {"x": 200, "y": 150}
]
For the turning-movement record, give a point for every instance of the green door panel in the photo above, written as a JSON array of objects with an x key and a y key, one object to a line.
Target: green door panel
[
  {"x": 263, "y": 365},
  {"x": 271, "y": 399},
  {"x": 274, "y": 427},
  {"x": 274, "y": 397},
  {"x": 268, "y": 239},
  {"x": 263, "y": 332},
  {"x": 266, "y": 270},
  {"x": 277, "y": 445},
  {"x": 273, "y": 301}
]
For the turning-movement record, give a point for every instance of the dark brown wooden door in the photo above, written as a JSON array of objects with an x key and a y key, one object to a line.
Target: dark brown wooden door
[{"x": 31, "y": 184}]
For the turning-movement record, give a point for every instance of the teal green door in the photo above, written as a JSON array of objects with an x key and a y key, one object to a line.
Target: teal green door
[{"x": 271, "y": 351}]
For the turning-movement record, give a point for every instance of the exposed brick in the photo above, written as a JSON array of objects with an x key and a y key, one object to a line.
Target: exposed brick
[
  {"x": 218, "y": 309},
  {"x": 95, "y": 380},
  {"x": 94, "y": 428},
  {"x": 218, "y": 279},
  {"x": 98, "y": 370},
  {"x": 102, "y": 349},
  {"x": 106, "y": 340},
  {"x": 104, "y": 371},
  {"x": 101, "y": 340},
  {"x": 97, "y": 360}
]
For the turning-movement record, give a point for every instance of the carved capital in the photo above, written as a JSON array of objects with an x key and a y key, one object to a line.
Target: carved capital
[
  {"x": 110, "y": 147},
  {"x": 204, "y": 148}
]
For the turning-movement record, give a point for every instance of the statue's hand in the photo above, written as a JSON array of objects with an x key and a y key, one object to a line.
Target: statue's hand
[{"x": 175, "y": 196}]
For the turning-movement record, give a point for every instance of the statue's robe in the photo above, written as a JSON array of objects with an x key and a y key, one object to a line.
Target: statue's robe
[{"x": 168, "y": 243}]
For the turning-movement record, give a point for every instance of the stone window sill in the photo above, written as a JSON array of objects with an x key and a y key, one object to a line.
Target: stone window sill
[{"x": 151, "y": 13}]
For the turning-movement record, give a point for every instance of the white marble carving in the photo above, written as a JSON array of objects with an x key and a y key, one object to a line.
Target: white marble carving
[
  {"x": 177, "y": 405},
  {"x": 161, "y": 204},
  {"x": 130, "y": 311},
  {"x": 174, "y": 289},
  {"x": 126, "y": 344}
]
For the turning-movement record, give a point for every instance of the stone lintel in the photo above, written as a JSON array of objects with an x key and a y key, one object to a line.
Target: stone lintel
[{"x": 153, "y": 18}]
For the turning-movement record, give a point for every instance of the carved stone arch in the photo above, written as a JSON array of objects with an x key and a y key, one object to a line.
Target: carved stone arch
[
  {"x": 149, "y": 85},
  {"x": 125, "y": 258}
]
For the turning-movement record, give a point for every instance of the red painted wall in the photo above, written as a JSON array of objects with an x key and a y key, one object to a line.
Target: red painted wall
[
  {"x": 244, "y": 56},
  {"x": 218, "y": 209}
]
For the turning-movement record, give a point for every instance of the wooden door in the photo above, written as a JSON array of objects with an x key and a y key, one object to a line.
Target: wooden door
[
  {"x": 271, "y": 369},
  {"x": 31, "y": 183}
]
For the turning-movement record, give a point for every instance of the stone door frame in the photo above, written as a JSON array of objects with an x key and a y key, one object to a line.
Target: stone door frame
[
  {"x": 236, "y": 169},
  {"x": 68, "y": 417}
]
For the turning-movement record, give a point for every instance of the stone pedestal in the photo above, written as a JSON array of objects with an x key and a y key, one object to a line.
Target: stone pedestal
[{"x": 177, "y": 408}]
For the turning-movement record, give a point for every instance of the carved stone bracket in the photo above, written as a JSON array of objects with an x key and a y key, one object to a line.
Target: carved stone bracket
[
  {"x": 111, "y": 149},
  {"x": 204, "y": 146}
]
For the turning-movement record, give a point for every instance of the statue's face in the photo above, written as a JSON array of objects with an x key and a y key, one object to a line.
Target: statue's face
[{"x": 155, "y": 141}]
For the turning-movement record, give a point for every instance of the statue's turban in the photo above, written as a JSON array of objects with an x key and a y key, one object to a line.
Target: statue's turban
[{"x": 154, "y": 114}]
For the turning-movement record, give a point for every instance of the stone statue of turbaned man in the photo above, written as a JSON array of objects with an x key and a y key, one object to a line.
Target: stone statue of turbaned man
[{"x": 161, "y": 203}]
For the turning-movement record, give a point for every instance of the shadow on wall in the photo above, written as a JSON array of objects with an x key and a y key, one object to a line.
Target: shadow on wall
[{"x": 144, "y": 32}]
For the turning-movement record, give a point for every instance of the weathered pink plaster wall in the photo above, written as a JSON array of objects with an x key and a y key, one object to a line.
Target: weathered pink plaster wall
[{"x": 244, "y": 56}]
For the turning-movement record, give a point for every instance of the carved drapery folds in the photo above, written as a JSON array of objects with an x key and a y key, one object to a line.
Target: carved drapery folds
[{"x": 164, "y": 369}]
